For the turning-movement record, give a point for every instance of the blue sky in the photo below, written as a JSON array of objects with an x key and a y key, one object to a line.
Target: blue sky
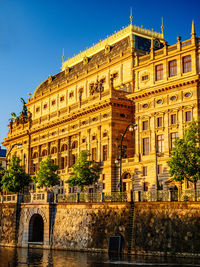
[{"x": 33, "y": 34}]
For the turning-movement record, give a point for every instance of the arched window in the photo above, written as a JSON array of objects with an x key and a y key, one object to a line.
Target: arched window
[
  {"x": 74, "y": 144},
  {"x": 35, "y": 155},
  {"x": 63, "y": 147},
  {"x": 53, "y": 150},
  {"x": 44, "y": 152}
]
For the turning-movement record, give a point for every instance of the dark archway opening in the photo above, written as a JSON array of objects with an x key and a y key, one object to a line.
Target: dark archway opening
[{"x": 36, "y": 229}]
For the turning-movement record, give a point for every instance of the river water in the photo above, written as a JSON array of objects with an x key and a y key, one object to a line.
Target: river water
[{"x": 20, "y": 257}]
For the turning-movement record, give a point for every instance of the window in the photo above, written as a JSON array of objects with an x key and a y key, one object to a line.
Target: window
[
  {"x": 160, "y": 143},
  {"x": 94, "y": 154},
  {"x": 62, "y": 98},
  {"x": 45, "y": 106},
  {"x": 105, "y": 134},
  {"x": 188, "y": 116},
  {"x": 145, "y": 186},
  {"x": 63, "y": 147},
  {"x": 173, "y": 98},
  {"x": 144, "y": 171},
  {"x": 53, "y": 150},
  {"x": 145, "y": 77},
  {"x": 145, "y": 144},
  {"x": 37, "y": 109},
  {"x": 104, "y": 186},
  {"x": 74, "y": 144},
  {"x": 145, "y": 106},
  {"x": 172, "y": 139},
  {"x": 145, "y": 125},
  {"x": 62, "y": 162},
  {"x": 44, "y": 152},
  {"x": 187, "y": 94},
  {"x": 173, "y": 119},
  {"x": 159, "y": 72},
  {"x": 93, "y": 137},
  {"x": 105, "y": 152},
  {"x": 172, "y": 68},
  {"x": 159, "y": 122},
  {"x": 53, "y": 102},
  {"x": 187, "y": 64},
  {"x": 103, "y": 176},
  {"x": 159, "y": 101},
  {"x": 159, "y": 169},
  {"x": 71, "y": 94}
]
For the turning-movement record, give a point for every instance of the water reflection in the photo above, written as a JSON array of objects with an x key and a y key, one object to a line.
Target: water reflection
[{"x": 10, "y": 257}]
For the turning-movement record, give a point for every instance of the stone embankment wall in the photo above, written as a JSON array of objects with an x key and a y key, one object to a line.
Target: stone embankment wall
[
  {"x": 89, "y": 226},
  {"x": 8, "y": 226},
  {"x": 157, "y": 227},
  {"x": 169, "y": 227}
]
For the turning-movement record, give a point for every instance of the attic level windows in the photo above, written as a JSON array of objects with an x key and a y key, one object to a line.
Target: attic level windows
[
  {"x": 159, "y": 72},
  {"x": 62, "y": 98},
  {"x": 145, "y": 78},
  {"x": 187, "y": 64},
  {"x": 114, "y": 75},
  {"x": 71, "y": 94},
  {"x": 172, "y": 68}
]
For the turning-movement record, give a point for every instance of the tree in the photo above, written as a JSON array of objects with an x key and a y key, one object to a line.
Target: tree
[
  {"x": 47, "y": 176},
  {"x": 14, "y": 178},
  {"x": 85, "y": 171},
  {"x": 184, "y": 162},
  {"x": 2, "y": 171}
]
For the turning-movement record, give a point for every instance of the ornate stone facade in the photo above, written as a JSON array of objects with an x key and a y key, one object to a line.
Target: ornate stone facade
[{"x": 133, "y": 76}]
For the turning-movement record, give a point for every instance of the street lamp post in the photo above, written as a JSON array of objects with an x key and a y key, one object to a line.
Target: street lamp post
[{"x": 131, "y": 127}]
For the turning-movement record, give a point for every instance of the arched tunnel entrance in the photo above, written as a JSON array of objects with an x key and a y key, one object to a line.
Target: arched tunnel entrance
[{"x": 36, "y": 229}]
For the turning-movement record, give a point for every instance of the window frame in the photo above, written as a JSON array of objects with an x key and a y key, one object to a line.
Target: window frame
[
  {"x": 172, "y": 65},
  {"x": 159, "y": 72},
  {"x": 145, "y": 146},
  {"x": 187, "y": 63}
]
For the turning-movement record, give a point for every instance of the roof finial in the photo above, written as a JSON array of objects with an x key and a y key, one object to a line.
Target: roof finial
[
  {"x": 131, "y": 17},
  {"x": 162, "y": 27},
  {"x": 63, "y": 56},
  {"x": 193, "y": 29}
]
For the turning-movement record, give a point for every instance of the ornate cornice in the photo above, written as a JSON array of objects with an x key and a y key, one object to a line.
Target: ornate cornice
[
  {"x": 59, "y": 121},
  {"x": 141, "y": 94}
]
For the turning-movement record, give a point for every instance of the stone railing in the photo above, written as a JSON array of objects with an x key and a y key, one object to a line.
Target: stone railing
[{"x": 14, "y": 198}]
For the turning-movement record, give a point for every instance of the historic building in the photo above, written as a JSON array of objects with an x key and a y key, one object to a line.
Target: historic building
[
  {"x": 133, "y": 76},
  {"x": 3, "y": 157}
]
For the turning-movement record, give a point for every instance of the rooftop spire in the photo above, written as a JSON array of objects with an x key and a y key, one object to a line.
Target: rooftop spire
[
  {"x": 131, "y": 17},
  {"x": 162, "y": 27},
  {"x": 193, "y": 29},
  {"x": 63, "y": 56}
]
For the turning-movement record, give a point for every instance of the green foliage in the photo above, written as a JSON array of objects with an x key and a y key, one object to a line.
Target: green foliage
[
  {"x": 14, "y": 178},
  {"x": 184, "y": 162},
  {"x": 2, "y": 171},
  {"x": 85, "y": 171},
  {"x": 47, "y": 176}
]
